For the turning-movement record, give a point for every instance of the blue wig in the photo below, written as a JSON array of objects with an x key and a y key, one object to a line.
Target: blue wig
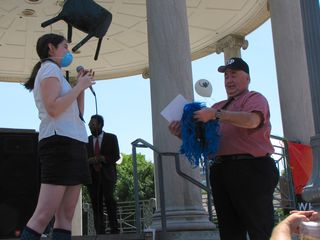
[{"x": 199, "y": 140}]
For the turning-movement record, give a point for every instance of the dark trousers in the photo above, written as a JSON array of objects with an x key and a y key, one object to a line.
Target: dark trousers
[
  {"x": 102, "y": 189},
  {"x": 243, "y": 193}
]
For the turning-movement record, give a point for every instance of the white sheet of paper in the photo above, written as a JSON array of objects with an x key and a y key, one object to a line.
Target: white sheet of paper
[{"x": 174, "y": 110}]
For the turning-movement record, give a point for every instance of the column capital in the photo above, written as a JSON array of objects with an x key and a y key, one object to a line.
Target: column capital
[
  {"x": 146, "y": 73},
  {"x": 230, "y": 42},
  {"x": 60, "y": 3}
]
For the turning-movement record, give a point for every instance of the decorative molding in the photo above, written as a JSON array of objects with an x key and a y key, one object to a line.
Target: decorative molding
[
  {"x": 231, "y": 41},
  {"x": 146, "y": 73}
]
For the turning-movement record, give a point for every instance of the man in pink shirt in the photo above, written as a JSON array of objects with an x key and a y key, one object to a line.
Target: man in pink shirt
[{"x": 243, "y": 175}]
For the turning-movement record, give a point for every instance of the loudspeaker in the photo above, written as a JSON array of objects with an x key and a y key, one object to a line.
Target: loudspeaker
[{"x": 19, "y": 180}]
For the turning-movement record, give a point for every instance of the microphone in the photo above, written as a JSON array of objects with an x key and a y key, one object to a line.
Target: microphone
[{"x": 79, "y": 69}]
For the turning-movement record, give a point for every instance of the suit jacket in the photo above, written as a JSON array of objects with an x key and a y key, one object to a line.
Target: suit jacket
[{"x": 110, "y": 150}]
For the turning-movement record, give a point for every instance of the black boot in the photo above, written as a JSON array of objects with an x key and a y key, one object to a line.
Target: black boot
[
  {"x": 61, "y": 234},
  {"x": 29, "y": 234}
]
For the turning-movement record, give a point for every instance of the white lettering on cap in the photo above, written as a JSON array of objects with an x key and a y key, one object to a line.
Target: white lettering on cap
[{"x": 230, "y": 61}]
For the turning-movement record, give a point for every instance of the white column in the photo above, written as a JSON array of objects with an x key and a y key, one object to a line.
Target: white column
[
  {"x": 231, "y": 45},
  {"x": 292, "y": 70},
  {"x": 170, "y": 75},
  {"x": 310, "y": 14}
]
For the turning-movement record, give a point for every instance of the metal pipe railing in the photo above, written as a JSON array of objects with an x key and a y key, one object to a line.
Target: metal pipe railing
[
  {"x": 143, "y": 144},
  {"x": 197, "y": 183},
  {"x": 288, "y": 172}
]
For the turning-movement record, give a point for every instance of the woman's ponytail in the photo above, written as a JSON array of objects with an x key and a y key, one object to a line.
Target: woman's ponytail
[{"x": 30, "y": 83}]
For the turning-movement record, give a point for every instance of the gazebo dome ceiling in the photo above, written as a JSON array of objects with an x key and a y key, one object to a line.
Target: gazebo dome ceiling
[{"x": 124, "y": 49}]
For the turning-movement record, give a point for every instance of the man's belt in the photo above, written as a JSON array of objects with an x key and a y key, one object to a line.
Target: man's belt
[{"x": 237, "y": 157}]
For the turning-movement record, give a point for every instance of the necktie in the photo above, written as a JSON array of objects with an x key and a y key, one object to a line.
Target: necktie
[
  {"x": 96, "y": 148},
  {"x": 97, "y": 166},
  {"x": 227, "y": 103}
]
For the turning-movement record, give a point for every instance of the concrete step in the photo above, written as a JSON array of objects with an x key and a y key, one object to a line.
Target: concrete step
[{"x": 121, "y": 236}]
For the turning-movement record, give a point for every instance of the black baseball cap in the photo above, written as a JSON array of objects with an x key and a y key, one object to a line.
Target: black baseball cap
[{"x": 235, "y": 64}]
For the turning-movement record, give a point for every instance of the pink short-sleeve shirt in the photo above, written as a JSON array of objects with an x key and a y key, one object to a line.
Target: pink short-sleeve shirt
[{"x": 237, "y": 140}]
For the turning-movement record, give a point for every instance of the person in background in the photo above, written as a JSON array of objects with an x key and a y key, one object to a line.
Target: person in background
[
  {"x": 62, "y": 138},
  {"x": 103, "y": 153},
  {"x": 243, "y": 176},
  {"x": 291, "y": 224}
]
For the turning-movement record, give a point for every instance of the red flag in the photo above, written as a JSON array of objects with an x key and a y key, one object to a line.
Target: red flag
[{"x": 300, "y": 158}]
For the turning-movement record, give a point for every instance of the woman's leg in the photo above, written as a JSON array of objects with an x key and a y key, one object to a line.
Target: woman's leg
[
  {"x": 49, "y": 199},
  {"x": 65, "y": 212}
]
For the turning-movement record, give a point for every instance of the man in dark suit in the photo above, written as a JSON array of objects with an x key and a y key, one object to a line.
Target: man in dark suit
[{"x": 103, "y": 152}]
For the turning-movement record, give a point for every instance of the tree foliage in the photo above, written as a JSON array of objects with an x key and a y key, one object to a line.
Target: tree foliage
[
  {"x": 125, "y": 186},
  {"x": 125, "y": 189}
]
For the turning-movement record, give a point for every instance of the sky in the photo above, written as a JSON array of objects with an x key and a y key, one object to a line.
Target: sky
[{"x": 125, "y": 103}]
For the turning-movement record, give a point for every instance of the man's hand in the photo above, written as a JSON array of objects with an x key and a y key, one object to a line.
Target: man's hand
[
  {"x": 91, "y": 160},
  {"x": 96, "y": 159},
  {"x": 175, "y": 128},
  {"x": 101, "y": 159},
  {"x": 205, "y": 114}
]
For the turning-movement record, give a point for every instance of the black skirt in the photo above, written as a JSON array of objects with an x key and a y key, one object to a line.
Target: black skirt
[{"x": 63, "y": 161}]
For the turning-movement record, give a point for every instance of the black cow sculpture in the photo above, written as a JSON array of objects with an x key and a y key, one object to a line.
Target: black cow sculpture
[{"x": 87, "y": 16}]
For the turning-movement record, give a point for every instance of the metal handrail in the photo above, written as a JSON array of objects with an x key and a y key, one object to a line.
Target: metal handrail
[
  {"x": 286, "y": 164},
  {"x": 144, "y": 144},
  {"x": 197, "y": 183}
]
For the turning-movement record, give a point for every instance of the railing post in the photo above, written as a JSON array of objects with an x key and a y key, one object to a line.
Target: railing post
[
  {"x": 136, "y": 189},
  {"x": 209, "y": 199},
  {"x": 120, "y": 219},
  {"x": 162, "y": 198},
  {"x": 289, "y": 174}
]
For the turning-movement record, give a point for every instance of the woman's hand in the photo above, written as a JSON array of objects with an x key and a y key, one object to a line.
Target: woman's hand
[{"x": 85, "y": 79}]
